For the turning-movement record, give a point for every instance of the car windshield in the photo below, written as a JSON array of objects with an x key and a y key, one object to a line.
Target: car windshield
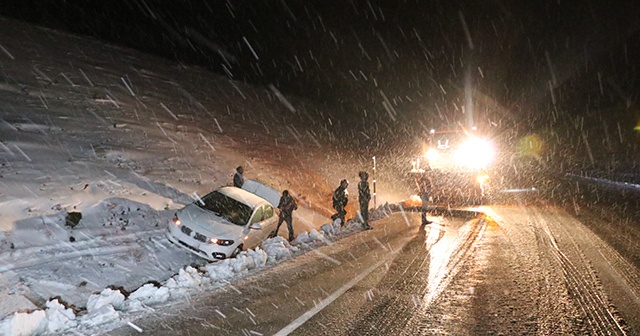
[{"x": 226, "y": 207}]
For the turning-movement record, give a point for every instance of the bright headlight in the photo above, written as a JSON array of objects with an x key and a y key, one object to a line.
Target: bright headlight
[
  {"x": 223, "y": 242},
  {"x": 431, "y": 154},
  {"x": 483, "y": 178},
  {"x": 475, "y": 153}
]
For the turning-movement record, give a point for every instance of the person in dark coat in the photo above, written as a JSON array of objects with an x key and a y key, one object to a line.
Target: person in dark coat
[
  {"x": 286, "y": 205},
  {"x": 364, "y": 196},
  {"x": 425, "y": 186},
  {"x": 340, "y": 199},
  {"x": 238, "y": 179}
]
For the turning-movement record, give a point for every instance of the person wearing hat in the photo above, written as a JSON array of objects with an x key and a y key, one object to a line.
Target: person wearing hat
[
  {"x": 340, "y": 199},
  {"x": 364, "y": 196},
  {"x": 286, "y": 205}
]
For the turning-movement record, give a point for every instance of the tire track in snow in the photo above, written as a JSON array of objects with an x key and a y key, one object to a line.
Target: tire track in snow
[
  {"x": 583, "y": 288},
  {"x": 103, "y": 245}
]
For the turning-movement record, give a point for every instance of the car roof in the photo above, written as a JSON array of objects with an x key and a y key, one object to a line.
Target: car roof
[
  {"x": 262, "y": 190},
  {"x": 242, "y": 196}
]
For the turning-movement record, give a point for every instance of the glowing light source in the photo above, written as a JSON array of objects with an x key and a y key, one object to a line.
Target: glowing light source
[
  {"x": 431, "y": 154},
  {"x": 475, "y": 153}
]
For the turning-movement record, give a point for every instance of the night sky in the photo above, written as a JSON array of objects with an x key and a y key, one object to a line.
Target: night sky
[{"x": 564, "y": 70}]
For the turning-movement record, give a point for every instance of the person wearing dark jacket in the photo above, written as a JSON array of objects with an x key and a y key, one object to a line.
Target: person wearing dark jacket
[
  {"x": 286, "y": 205},
  {"x": 425, "y": 186},
  {"x": 364, "y": 196},
  {"x": 238, "y": 179},
  {"x": 340, "y": 199}
]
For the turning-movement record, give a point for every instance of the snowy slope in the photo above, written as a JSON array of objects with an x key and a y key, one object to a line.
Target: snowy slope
[{"x": 124, "y": 139}]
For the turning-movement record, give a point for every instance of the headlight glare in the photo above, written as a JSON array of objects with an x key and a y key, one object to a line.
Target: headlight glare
[
  {"x": 431, "y": 154},
  {"x": 482, "y": 178},
  {"x": 475, "y": 153},
  {"x": 221, "y": 242}
]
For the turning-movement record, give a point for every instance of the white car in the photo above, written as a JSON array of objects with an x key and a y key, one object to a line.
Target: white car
[{"x": 224, "y": 222}]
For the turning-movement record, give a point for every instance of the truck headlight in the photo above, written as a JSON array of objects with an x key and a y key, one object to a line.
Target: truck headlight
[
  {"x": 475, "y": 153},
  {"x": 432, "y": 154}
]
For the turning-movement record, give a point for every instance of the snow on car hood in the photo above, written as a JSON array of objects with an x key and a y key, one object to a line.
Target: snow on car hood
[{"x": 208, "y": 223}]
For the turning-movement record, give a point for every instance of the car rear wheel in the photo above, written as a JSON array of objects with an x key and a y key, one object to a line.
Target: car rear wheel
[{"x": 237, "y": 251}]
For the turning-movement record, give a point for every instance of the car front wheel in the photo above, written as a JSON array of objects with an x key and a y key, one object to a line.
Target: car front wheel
[{"x": 237, "y": 251}]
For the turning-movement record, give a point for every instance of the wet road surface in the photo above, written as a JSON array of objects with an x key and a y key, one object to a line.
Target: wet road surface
[{"x": 518, "y": 270}]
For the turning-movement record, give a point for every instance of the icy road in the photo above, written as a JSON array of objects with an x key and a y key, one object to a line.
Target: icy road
[{"x": 515, "y": 270}]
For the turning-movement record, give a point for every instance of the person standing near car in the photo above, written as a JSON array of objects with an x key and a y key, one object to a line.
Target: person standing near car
[
  {"x": 425, "y": 186},
  {"x": 286, "y": 205},
  {"x": 340, "y": 199},
  {"x": 364, "y": 196},
  {"x": 238, "y": 179}
]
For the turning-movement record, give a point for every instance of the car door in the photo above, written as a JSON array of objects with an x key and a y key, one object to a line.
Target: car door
[
  {"x": 269, "y": 220},
  {"x": 254, "y": 236}
]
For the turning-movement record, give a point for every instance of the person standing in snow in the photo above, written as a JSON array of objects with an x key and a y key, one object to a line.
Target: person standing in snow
[
  {"x": 425, "y": 186},
  {"x": 340, "y": 199},
  {"x": 286, "y": 205},
  {"x": 364, "y": 196},
  {"x": 238, "y": 179}
]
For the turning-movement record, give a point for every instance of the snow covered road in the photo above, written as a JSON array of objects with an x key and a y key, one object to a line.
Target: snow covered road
[{"x": 520, "y": 270}]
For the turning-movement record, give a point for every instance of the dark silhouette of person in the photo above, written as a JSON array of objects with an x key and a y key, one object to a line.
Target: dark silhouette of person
[
  {"x": 286, "y": 205},
  {"x": 425, "y": 186},
  {"x": 238, "y": 179},
  {"x": 340, "y": 199},
  {"x": 364, "y": 196}
]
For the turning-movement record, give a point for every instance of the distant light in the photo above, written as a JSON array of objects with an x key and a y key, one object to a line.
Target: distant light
[
  {"x": 475, "y": 153},
  {"x": 432, "y": 131},
  {"x": 431, "y": 154}
]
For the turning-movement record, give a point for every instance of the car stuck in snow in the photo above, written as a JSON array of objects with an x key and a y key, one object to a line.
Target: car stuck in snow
[{"x": 226, "y": 221}]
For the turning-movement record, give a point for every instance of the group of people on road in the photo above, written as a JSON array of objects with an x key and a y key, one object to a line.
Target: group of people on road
[{"x": 340, "y": 199}]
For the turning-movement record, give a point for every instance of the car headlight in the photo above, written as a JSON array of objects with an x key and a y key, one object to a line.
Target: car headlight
[
  {"x": 176, "y": 220},
  {"x": 222, "y": 242},
  {"x": 432, "y": 154},
  {"x": 475, "y": 153}
]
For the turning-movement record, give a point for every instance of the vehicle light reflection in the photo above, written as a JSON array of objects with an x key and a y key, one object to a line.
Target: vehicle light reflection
[{"x": 439, "y": 254}]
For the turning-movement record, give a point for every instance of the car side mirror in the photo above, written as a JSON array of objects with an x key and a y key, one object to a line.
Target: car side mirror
[{"x": 255, "y": 226}]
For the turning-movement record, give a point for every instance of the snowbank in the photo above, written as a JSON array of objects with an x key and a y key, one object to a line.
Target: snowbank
[
  {"x": 20, "y": 324},
  {"x": 111, "y": 305}
]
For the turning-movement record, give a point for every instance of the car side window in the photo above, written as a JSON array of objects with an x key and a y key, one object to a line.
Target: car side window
[
  {"x": 267, "y": 213},
  {"x": 257, "y": 215}
]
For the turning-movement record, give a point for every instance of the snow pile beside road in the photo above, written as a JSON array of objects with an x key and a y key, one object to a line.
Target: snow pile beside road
[
  {"x": 19, "y": 324},
  {"x": 111, "y": 305},
  {"x": 59, "y": 317}
]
